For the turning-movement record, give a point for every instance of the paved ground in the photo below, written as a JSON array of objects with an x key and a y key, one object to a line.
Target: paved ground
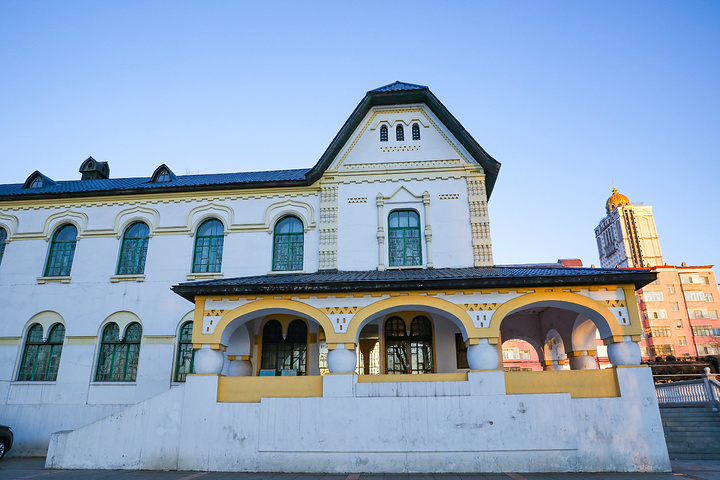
[{"x": 33, "y": 468}]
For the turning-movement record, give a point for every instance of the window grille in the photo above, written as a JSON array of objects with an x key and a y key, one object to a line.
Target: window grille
[
  {"x": 118, "y": 359},
  {"x": 412, "y": 353},
  {"x": 415, "y": 131},
  {"x": 288, "y": 244},
  {"x": 3, "y": 240},
  {"x": 62, "y": 250},
  {"x": 384, "y": 133},
  {"x": 404, "y": 238},
  {"x": 185, "y": 354},
  {"x": 289, "y": 353},
  {"x": 41, "y": 359},
  {"x": 134, "y": 249},
  {"x": 208, "y": 252},
  {"x": 399, "y": 133}
]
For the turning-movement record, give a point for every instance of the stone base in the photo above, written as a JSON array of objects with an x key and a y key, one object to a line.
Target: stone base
[{"x": 441, "y": 429}]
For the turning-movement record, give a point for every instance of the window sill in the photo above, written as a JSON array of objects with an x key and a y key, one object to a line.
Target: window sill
[
  {"x": 127, "y": 278},
  {"x": 285, "y": 272},
  {"x": 406, "y": 267},
  {"x": 113, "y": 384},
  {"x": 33, "y": 382},
  {"x": 62, "y": 279},
  {"x": 204, "y": 275}
]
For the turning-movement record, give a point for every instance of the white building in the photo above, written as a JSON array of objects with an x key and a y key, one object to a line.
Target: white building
[{"x": 377, "y": 260}]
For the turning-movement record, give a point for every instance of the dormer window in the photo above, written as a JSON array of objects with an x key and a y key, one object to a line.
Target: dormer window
[
  {"x": 416, "y": 131},
  {"x": 163, "y": 174},
  {"x": 38, "y": 180},
  {"x": 383, "y": 133},
  {"x": 37, "y": 183},
  {"x": 400, "y": 133}
]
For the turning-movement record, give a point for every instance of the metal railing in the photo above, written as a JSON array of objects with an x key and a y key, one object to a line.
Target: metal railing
[{"x": 705, "y": 390}]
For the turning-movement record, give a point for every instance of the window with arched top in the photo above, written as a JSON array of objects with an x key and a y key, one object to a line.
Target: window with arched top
[
  {"x": 163, "y": 177},
  {"x": 118, "y": 358},
  {"x": 37, "y": 182},
  {"x": 3, "y": 241},
  {"x": 288, "y": 244},
  {"x": 399, "y": 133},
  {"x": 284, "y": 355},
  {"x": 41, "y": 359},
  {"x": 404, "y": 247},
  {"x": 185, "y": 353},
  {"x": 208, "y": 251},
  {"x": 384, "y": 133},
  {"x": 416, "y": 131},
  {"x": 62, "y": 250},
  {"x": 409, "y": 354},
  {"x": 134, "y": 249}
]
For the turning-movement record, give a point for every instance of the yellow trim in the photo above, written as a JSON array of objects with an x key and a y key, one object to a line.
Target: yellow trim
[
  {"x": 581, "y": 353},
  {"x": 213, "y": 346},
  {"x": 298, "y": 309},
  {"x": 415, "y": 302},
  {"x": 472, "y": 341},
  {"x": 349, "y": 346},
  {"x": 404, "y": 378},
  {"x": 159, "y": 339},
  {"x": 578, "y": 383},
  {"x": 11, "y": 341},
  {"x": 88, "y": 340},
  {"x": 253, "y": 389},
  {"x": 555, "y": 294}
]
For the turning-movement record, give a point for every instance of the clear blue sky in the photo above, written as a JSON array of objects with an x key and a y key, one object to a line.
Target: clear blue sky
[{"x": 570, "y": 96}]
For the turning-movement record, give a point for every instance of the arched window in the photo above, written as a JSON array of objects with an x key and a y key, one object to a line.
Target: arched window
[
  {"x": 62, "y": 250},
  {"x": 208, "y": 247},
  {"x": 408, "y": 353},
  {"x": 383, "y": 133},
  {"x": 134, "y": 249},
  {"x": 118, "y": 359},
  {"x": 185, "y": 353},
  {"x": 404, "y": 238},
  {"x": 288, "y": 244},
  {"x": 399, "y": 133},
  {"x": 40, "y": 359},
  {"x": 289, "y": 353},
  {"x": 37, "y": 182},
  {"x": 3, "y": 240},
  {"x": 416, "y": 131},
  {"x": 163, "y": 177}
]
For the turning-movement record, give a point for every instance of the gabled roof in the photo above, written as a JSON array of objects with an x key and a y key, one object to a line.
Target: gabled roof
[
  {"x": 425, "y": 279},
  {"x": 397, "y": 93}
]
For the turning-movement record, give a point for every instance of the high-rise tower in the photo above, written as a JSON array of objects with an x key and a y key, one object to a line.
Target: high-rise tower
[{"x": 627, "y": 236}]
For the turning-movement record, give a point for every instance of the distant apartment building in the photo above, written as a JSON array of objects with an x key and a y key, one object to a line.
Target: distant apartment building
[{"x": 680, "y": 309}]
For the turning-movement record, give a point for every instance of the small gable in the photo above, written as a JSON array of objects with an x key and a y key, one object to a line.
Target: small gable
[
  {"x": 163, "y": 174},
  {"x": 38, "y": 180}
]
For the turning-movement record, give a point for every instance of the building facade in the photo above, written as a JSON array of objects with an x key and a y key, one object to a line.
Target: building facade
[
  {"x": 311, "y": 320},
  {"x": 679, "y": 310}
]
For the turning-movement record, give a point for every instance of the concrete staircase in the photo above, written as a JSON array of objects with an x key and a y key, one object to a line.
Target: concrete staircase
[{"x": 692, "y": 433}]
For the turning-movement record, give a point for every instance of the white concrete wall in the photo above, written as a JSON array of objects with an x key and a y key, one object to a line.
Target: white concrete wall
[{"x": 479, "y": 429}]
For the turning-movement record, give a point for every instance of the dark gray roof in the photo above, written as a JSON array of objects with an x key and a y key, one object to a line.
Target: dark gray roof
[
  {"x": 420, "y": 279},
  {"x": 397, "y": 93},
  {"x": 181, "y": 182},
  {"x": 399, "y": 86}
]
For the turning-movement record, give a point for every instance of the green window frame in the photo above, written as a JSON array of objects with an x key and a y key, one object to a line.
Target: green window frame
[
  {"x": 207, "y": 255},
  {"x": 3, "y": 241},
  {"x": 288, "y": 244},
  {"x": 62, "y": 251},
  {"x": 409, "y": 354},
  {"x": 185, "y": 363},
  {"x": 404, "y": 247},
  {"x": 289, "y": 353},
  {"x": 133, "y": 250},
  {"x": 41, "y": 359},
  {"x": 118, "y": 358}
]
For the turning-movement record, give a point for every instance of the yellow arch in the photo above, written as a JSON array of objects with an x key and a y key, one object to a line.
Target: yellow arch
[
  {"x": 294, "y": 306},
  {"x": 564, "y": 297},
  {"x": 409, "y": 301}
]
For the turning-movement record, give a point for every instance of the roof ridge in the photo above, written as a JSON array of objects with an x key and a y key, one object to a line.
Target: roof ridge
[{"x": 398, "y": 86}]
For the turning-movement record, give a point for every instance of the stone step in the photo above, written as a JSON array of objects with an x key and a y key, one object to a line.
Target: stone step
[
  {"x": 677, "y": 445},
  {"x": 690, "y": 428},
  {"x": 694, "y": 456}
]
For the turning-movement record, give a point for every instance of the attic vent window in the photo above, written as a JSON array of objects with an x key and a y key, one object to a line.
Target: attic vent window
[
  {"x": 383, "y": 133},
  {"x": 163, "y": 177},
  {"x": 416, "y": 131},
  {"x": 37, "y": 183}
]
